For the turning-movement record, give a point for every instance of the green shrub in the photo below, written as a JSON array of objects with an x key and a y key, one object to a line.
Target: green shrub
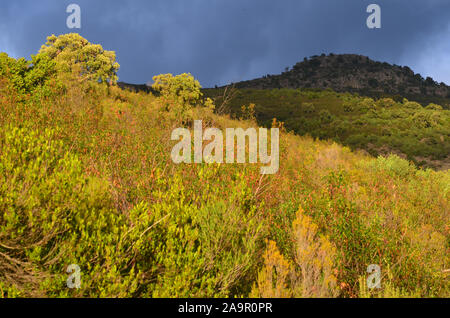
[
  {"x": 426, "y": 119},
  {"x": 434, "y": 107},
  {"x": 411, "y": 105},
  {"x": 366, "y": 104},
  {"x": 28, "y": 77},
  {"x": 394, "y": 166},
  {"x": 325, "y": 117},
  {"x": 386, "y": 102},
  {"x": 308, "y": 108},
  {"x": 348, "y": 106},
  {"x": 54, "y": 216}
]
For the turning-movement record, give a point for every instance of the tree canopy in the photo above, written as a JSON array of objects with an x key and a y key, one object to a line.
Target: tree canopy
[{"x": 73, "y": 53}]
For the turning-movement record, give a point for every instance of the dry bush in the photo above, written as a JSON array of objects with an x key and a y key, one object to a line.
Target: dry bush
[
  {"x": 273, "y": 279},
  {"x": 315, "y": 257}
]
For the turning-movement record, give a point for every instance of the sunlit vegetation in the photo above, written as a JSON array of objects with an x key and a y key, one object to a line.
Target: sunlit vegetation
[
  {"x": 86, "y": 178},
  {"x": 380, "y": 127}
]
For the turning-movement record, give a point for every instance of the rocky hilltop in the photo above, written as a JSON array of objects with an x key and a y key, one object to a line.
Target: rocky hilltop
[{"x": 356, "y": 74}]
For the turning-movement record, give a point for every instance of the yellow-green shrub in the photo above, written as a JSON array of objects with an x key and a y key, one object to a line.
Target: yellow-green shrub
[
  {"x": 274, "y": 279},
  {"x": 315, "y": 257},
  {"x": 53, "y": 216}
]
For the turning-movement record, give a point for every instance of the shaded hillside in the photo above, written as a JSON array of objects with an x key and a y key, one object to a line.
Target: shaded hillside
[
  {"x": 135, "y": 87},
  {"x": 356, "y": 74}
]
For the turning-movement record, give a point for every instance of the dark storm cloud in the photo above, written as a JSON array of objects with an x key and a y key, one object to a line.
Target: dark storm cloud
[{"x": 221, "y": 41}]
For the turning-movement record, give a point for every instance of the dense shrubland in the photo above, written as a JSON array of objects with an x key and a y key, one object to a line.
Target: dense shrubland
[
  {"x": 86, "y": 178},
  {"x": 380, "y": 127}
]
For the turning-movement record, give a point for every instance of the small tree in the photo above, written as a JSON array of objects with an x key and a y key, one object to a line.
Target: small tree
[
  {"x": 180, "y": 94},
  {"x": 182, "y": 88},
  {"x": 74, "y": 54}
]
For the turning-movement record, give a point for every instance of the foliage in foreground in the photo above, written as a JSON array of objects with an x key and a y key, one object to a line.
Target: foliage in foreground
[{"x": 86, "y": 178}]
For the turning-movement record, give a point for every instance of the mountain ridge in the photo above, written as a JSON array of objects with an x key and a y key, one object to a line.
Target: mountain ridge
[{"x": 355, "y": 74}]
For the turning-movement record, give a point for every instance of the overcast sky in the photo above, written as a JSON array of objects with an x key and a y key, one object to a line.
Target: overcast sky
[{"x": 223, "y": 41}]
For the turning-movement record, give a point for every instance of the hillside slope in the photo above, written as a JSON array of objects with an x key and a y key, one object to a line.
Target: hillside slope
[
  {"x": 356, "y": 74},
  {"x": 320, "y": 97},
  {"x": 380, "y": 127},
  {"x": 86, "y": 178}
]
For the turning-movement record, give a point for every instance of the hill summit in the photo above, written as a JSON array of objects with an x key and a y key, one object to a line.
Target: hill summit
[{"x": 355, "y": 74}]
